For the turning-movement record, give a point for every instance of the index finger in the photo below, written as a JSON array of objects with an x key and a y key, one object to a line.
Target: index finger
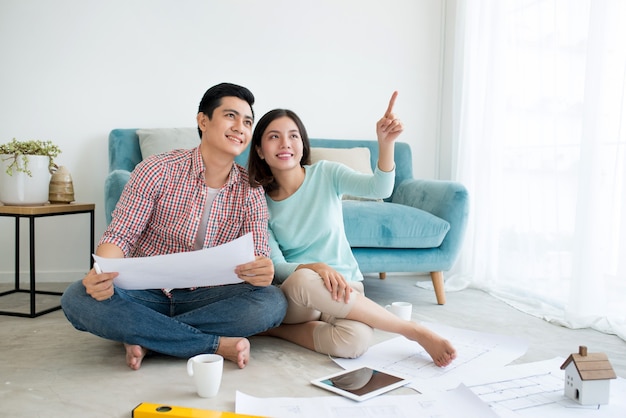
[{"x": 392, "y": 102}]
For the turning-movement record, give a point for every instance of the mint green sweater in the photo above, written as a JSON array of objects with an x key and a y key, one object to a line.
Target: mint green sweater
[{"x": 307, "y": 227}]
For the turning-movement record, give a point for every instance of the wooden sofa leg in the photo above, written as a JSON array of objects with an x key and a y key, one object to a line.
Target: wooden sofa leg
[
  {"x": 382, "y": 276},
  {"x": 437, "y": 278}
]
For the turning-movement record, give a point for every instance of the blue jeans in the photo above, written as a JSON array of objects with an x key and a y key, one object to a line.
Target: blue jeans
[{"x": 189, "y": 323}]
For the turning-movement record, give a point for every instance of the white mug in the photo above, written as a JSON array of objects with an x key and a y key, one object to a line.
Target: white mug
[
  {"x": 401, "y": 309},
  {"x": 206, "y": 370}
]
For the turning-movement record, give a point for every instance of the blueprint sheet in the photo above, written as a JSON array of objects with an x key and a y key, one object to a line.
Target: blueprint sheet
[
  {"x": 476, "y": 351},
  {"x": 536, "y": 390},
  {"x": 213, "y": 266},
  {"x": 459, "y": 402},
  {"x": 477, "y": 384}
]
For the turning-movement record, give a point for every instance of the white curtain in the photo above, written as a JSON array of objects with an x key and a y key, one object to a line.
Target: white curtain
[{"x": 539, "y": 139}]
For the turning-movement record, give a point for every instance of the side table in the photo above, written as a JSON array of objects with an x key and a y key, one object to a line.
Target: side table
[{"x": 32, "y": 212}]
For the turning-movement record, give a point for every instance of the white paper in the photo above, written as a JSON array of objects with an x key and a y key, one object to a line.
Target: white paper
[
  {"x": 208, "y": 267},
  {"x": 476, "y": 352},
  {"x": 536, "y": 390},
  {"x": 459, "y": 402}
]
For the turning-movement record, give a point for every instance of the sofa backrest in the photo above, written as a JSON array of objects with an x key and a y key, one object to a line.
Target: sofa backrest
[{"x": 125, "y": 153}]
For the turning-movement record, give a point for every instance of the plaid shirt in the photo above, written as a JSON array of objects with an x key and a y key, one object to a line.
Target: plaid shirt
[{"x": 160, "y": 209}]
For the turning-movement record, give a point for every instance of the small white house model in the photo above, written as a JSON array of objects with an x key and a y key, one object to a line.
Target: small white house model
[{"x": 587, "y": 377}]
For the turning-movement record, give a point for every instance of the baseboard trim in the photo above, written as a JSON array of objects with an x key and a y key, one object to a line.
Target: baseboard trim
[{"x": 67, "y": 276}]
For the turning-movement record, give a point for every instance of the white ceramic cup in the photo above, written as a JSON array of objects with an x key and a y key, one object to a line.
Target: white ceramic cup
[
  {"x": 401, "y": 309},
  {"x": 206, "y": 370}
]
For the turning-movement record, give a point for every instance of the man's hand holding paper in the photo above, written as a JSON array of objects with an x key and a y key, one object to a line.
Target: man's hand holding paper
[{"x": 260, "y": 272}]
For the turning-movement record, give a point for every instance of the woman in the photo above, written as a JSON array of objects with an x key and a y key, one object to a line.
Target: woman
[{"x": 327, "y": 309}]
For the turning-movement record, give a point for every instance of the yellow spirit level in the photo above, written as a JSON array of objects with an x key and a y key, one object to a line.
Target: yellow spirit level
[{"x": 155, "y": 410}]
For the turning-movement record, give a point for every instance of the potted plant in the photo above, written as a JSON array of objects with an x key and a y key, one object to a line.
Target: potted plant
[{"x": 25, "y": 169}]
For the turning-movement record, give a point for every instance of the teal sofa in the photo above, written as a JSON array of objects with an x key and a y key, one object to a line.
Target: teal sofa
[{"x": 420, "y": 228}]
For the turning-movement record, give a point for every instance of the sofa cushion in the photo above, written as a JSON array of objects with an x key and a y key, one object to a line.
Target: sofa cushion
[
  {"x": 158, "y": 140},
  {"x": 391, "y": 225},
  {"x": 357, "y": 158}
]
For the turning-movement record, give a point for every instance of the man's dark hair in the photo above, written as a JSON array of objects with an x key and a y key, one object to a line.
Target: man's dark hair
[{"x": 212, "y": 98}]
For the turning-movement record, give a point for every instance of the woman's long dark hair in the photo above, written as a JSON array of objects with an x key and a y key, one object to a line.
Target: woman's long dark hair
[{"x": 260, "y": 173}]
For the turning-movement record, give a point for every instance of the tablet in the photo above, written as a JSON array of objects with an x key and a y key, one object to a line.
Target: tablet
[{"x": 360, "y": 384}]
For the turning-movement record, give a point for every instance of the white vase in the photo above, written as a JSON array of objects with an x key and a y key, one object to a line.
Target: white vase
[{"x": 20, "y": 188}]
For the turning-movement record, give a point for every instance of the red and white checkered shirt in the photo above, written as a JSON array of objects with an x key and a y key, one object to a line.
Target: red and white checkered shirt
[{"x": 160, "y": 209}]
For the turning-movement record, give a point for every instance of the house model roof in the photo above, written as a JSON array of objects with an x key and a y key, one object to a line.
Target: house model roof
[{"x": 591, "y": 366}]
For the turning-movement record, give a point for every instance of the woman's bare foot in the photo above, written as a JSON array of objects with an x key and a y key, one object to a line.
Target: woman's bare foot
[
  {"x": 134, "y": 355},
  {"x": 440, "y": 350},
  {"x": 235, "y": 349}
]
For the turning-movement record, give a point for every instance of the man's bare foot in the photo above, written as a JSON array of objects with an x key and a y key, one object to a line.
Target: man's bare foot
[
  {"x": 235, "y": 349},
  {"x": 440, "y": 350},
  {"x": 134, "y": 355}
]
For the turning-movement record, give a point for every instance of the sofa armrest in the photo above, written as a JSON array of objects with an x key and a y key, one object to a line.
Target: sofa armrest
[
  {"x": 445, "y": 199},
  {"x": 124, "y": 149},
  {"x": 113, "y": 186}
]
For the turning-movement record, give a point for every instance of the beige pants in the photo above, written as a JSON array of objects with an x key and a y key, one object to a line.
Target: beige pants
[{"x": 309, "y": 300}]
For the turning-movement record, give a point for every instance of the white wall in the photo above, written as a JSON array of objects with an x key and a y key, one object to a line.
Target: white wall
[{"x": 72, "y": 70}]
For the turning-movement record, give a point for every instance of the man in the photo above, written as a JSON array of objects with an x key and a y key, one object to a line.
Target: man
[{"x": 185, "y": 200}]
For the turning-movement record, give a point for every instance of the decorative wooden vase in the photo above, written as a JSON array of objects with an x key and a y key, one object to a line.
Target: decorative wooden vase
[{"x": 61, "y": 188}]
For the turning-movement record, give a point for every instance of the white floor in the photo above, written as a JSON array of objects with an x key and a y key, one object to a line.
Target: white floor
[{"x": 48, "y": 369}]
